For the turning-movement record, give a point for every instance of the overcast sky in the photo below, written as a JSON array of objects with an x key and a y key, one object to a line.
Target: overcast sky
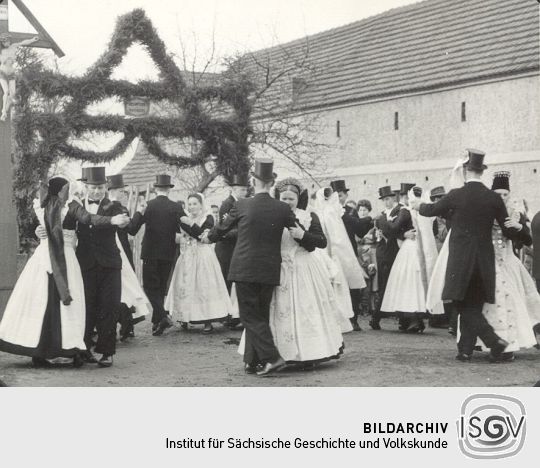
[{"x": 82, "y": 28}]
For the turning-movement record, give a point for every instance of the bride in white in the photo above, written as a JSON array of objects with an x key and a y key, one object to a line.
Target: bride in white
[{"x": 198, "y": 293}]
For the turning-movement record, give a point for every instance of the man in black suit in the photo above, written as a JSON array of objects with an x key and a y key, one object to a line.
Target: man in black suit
[
  {"x": 225, "y": 247},
  {"x": 354, "y": 227},
  {"x": 101, "y": 267},
  {"x": 470, "y": 272},
  {"x": 256, "y": 263},
  {"x": 162, "y": 220},
  {"x": 390, "y": 227}
]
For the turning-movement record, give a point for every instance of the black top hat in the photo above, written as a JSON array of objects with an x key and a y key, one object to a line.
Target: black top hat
[
  {"x": 476, "y": 160},
  {"x": 437, "y": 192},
  {"x": 83, "y": 175},
  {"x": 501, "y": 180},
  {"x": 339, "y": 186},
  {"x": 95, "y": 176},
  {"x": 264, "y": 170},
  {"x": 239, "y": 179},
  {"x": 116, "y": 182},
  {"x": 163, "y": 180},
  {"x": 405, "y": 188},
  {"x": 386, "y": 191}
]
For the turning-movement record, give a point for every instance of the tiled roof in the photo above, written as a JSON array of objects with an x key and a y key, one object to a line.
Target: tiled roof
[
  {"x": 422, "y": 46},
  {"x": 142, "y": 168}
]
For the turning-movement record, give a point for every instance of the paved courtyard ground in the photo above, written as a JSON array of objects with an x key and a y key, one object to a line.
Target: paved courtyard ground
[{"x": 188, "y": 358}]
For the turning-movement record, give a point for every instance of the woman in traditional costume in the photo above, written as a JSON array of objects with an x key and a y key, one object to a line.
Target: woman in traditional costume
[{"x": 198, "y": 293}]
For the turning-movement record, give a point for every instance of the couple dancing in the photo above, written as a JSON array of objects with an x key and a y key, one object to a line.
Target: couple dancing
[
  {"x": 470, "y": 280},
  {"x": 269, "y": 231},
  {"x": 72, "y": 282}
]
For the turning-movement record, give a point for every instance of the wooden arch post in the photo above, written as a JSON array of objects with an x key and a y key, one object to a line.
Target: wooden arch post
[{"x": 8, "y": 220}]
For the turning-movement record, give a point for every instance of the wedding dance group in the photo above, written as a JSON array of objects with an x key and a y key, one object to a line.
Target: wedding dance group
[{"x": 293, "y": 270}]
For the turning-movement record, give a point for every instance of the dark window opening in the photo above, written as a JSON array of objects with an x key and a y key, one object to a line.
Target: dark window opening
[
  {"x": 427, "y": 178},
  {"x": 463, "y": 112},
  {"x": 338, "y": 129},
  {"x": 396, "y": 120}
]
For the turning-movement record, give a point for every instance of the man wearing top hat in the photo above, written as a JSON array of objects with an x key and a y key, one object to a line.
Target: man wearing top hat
[
  {"x": 256, "y": 263},
  {"x": 470, "y": 272},
  {"x": 354, "y": 226},
  {"x": 394, "y": 224},
  {"x": 161, "y": 218},
  {"x": 225, "y": 247},
  {"x": 101, "y": 266}
]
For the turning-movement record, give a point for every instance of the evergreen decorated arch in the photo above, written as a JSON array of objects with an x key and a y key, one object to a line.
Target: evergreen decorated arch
[{"x": 41, "y": 137}]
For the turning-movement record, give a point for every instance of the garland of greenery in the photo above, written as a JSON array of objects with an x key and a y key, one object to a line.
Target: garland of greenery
[{"x": 43, "y": 137}]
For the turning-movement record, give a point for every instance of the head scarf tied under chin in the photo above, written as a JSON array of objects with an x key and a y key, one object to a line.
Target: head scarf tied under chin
[{"x": 53, "y": 199}]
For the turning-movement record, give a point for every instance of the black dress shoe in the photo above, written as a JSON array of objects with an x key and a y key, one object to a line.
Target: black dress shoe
[
  {"x": 375, "y": 325},
  {"x": 165, "y": 323},
  {"x": 354, "y": 323},
  {"x": 463, "y": 357},
  {"x": 503, "y": 358},
  {"x": 105, "y": 361},
  {"x": 251, "y": 369},
  {"x": 498, "y": 348},
  {"x": 270, "y": 367}
]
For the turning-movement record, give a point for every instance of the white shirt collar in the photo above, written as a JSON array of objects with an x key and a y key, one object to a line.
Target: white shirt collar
[
  {"x": 474, "y": 180},
  {"x": 234, "y": 196}
]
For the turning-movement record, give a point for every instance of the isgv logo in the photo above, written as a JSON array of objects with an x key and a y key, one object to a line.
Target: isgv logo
[{"x": 491, "y": 426}]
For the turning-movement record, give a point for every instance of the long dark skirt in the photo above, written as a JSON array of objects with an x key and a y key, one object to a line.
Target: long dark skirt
[{"x": 50, "y": 341}]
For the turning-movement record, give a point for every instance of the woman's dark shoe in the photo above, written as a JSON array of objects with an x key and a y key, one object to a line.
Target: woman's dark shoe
[
  {"x": 208, "y": 328},
  {"x": 40, "y": 362},
  {"x": 184, "y": 325},
  {"x": 88, "y": 356},
  {"x": 77, "y": 361},
  {"x": 416, "y": 326},
  {"x": 452, "y": 331},
  {"x": 375, "y": 324}
]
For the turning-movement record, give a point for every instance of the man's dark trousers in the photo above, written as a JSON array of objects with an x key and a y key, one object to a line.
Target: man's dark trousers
[
  {"x": 473, "y": 324},
  {"x": 254, "y": 306},
  {"x": 155, "y": 278},
  {"x": 102, "y": 290}
]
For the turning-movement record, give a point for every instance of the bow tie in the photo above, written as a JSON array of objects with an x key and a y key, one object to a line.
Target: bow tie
[{"x": 94, "y": 202}]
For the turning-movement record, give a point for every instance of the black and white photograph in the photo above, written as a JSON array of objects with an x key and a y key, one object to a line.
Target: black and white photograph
[{"x": 243, "y": 193}]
